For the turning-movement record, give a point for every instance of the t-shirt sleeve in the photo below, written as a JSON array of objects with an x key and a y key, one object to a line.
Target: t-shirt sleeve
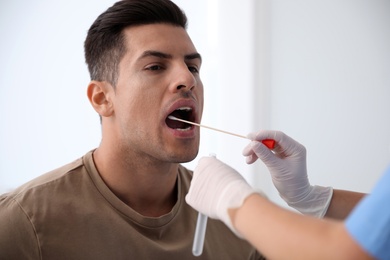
[
  {"x": 369, "y": 222},
  {"x": 17, "y": 236}
]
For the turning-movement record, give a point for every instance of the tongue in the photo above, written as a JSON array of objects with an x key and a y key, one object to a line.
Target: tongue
[{"x": 175, "y": 124}]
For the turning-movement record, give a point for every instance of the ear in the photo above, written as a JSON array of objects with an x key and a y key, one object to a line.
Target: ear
[{"x": 100, "y": 94}]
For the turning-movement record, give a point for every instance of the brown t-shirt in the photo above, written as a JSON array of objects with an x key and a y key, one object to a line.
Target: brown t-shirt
[{"x": 70, "y": 213}]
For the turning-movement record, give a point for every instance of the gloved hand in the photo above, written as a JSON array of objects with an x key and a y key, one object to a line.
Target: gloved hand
[
  {"x": 215, "y": 188},
  {"x": 287, "y": 165}
]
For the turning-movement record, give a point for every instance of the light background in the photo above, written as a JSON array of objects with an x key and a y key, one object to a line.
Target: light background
[{"x": 316, "y": 70}]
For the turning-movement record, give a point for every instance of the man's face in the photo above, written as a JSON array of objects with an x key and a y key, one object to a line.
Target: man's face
[{"x": 158, "y": 76}]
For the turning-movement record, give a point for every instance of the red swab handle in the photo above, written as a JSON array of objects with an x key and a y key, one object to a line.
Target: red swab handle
[{"x": 269, "y": 143}]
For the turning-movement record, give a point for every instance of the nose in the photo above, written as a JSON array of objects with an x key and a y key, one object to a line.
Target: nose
[{"x": 184, "y": 79}]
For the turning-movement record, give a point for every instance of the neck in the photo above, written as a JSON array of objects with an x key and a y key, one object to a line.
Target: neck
[{"x": 148, "y": 188}]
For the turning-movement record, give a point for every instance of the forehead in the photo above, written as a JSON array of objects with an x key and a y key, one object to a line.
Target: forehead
[{"x": 167, "y": 38}]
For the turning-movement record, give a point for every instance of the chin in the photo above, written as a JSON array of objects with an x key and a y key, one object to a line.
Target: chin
[{"x": 187, "y": 156}]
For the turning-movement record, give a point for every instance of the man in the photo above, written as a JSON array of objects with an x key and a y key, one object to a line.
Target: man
[{"x": 125, "y": 199}]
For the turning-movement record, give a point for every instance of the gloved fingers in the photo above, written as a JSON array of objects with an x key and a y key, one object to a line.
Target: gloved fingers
[
  {"x": 262, "y": 152},
  {"x": 247, "y": 150},
  {"x": 250, "y": 155},
  {"x": 257, "y": 150},
  {"x": 249, "y": 159},
  {"x": 211, "y": 174},
  {"x": 216, "y": 186},
  {"x": 201, "y": 176},
  {"x": 200, "y": 168},
  {"x": 277, "y": 136},
  {"x": 285, "y": 145},
  {"x": 197, "y": 187}
]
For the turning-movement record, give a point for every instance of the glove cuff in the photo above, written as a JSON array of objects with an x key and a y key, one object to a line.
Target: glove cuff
[{"x": 316, "y": 202}]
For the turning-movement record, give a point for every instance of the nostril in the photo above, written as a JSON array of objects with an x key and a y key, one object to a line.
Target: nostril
[{"x": 184, "y": 87}]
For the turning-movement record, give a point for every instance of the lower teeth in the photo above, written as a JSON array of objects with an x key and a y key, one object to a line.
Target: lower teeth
[{"x": 183, "y": 129}]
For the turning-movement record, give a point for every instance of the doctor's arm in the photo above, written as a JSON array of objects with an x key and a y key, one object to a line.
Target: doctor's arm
[
  {"x": 220, "y": 192},
  {"x": 342, "y": 203}
]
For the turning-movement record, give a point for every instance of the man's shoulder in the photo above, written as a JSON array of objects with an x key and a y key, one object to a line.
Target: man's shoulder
[{"x": 48, "y": 179}]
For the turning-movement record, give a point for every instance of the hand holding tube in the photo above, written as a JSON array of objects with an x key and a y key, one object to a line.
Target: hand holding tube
[
  {"x": 215, "y": 188},
  {"x": 287, "y": 165}
]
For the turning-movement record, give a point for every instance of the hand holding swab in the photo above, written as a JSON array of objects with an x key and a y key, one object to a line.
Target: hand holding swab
[{"x": 267, "y": 142}]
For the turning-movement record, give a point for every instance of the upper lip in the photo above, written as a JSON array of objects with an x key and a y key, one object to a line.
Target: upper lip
[{"x": 181, "y": 103}]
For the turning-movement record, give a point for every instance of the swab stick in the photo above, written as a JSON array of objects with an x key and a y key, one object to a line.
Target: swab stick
[{"x": 267, "y": 142}]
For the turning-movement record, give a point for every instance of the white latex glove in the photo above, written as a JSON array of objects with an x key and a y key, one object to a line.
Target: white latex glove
[
  {"x": 287, "y": 165},
  {"x": 215, "y": 188}
]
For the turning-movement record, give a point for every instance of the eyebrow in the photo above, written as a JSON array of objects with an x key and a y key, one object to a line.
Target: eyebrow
[
  {"x": 163, "y": 55},
  {"x": 193, "y": 56}
]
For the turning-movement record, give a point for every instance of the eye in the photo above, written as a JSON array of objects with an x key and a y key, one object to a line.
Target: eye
[
  {"x": 154, "y": 67},
  {"x": 193, "y": 69}
]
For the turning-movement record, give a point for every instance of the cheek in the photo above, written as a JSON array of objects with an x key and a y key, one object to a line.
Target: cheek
[
  {"x": 133, "y": 96},
  {"x": 143, "y": 106},
  {"x": 128, "y": 107},
  {"x": 147, "y": 92}
]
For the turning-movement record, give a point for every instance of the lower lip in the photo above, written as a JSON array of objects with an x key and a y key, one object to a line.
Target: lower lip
[{"x": 185, "y": 134}]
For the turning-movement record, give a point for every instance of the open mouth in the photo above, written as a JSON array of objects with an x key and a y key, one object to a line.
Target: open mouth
[{"x": 184, "y": 113}]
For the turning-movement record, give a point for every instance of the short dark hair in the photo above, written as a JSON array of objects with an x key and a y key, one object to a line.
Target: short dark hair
[{"x": 104, "y": 46}]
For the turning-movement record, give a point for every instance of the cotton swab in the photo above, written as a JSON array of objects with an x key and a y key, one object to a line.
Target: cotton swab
[{"x": 267, "y": 142}]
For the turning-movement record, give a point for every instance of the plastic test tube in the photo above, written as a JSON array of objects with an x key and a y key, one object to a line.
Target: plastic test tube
[{"x": 200, "y": 231}]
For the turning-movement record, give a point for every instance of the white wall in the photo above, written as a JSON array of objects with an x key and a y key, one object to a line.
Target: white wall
[
  {"x": 330, "y": 86},
  {"x": 46, "y": 118},
  {"x": 317, "y": 70}
]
